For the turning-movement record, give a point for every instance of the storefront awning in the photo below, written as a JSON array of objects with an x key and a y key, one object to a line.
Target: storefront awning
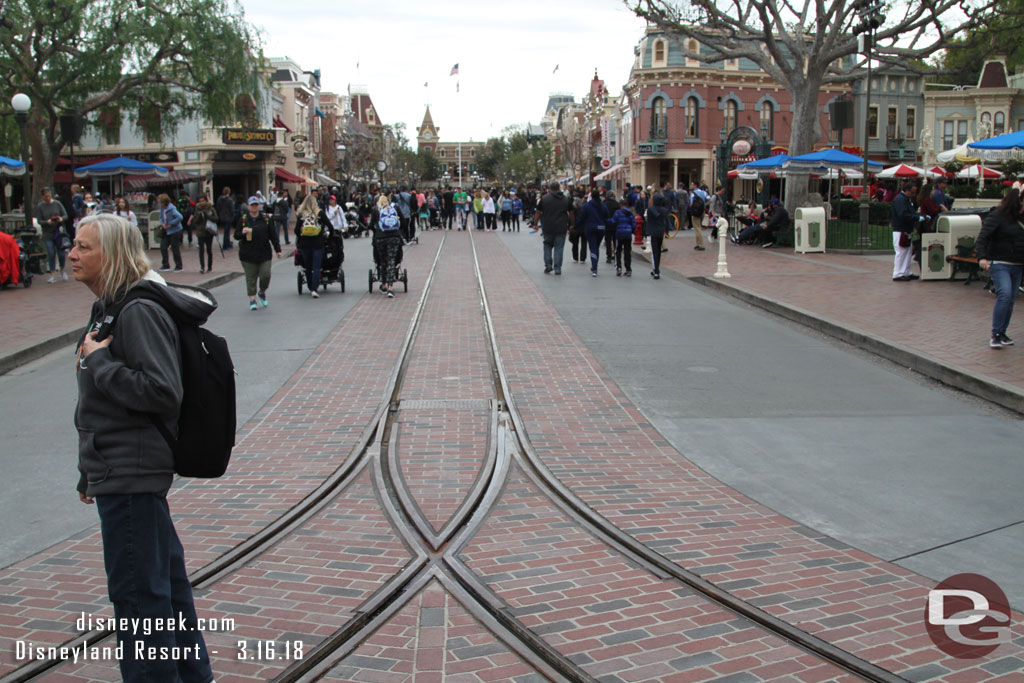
[
  {"x": 172, "y": 178},
  {"x": 327, "y": 180},
  {"x": 289, "y": 177},
  {"x": 278, "y": 123},
  {"x": 605, "y": 175}
]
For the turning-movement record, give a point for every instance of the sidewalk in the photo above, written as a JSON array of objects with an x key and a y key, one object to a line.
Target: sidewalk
[
  {"x": 938, "y": 328},
  {"x": 45, "y": 317}
]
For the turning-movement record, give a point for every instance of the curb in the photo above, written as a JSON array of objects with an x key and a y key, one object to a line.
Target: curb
[
  {"x": 29, "y": 353},
  {"x": 1000, "y": 393}
]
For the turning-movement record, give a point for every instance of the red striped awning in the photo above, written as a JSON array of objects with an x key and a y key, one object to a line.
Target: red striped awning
[
  {"x": 172, "y": 178},
  {"x": 278, "y": 123},
  {"x": 289, "y": 177}
]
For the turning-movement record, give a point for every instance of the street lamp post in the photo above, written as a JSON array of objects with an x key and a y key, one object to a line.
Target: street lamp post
[
  {"x": 21, "y": 104},
  {"x": 870, "y": 19}
]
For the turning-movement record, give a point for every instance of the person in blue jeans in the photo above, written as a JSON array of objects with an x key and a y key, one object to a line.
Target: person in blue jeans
[
  {"x": 129, "y": 388},
  {"x": 171, "y": 223},
  {"x": 593, "y": 218},
  {"x": 1000, "y": 248}
]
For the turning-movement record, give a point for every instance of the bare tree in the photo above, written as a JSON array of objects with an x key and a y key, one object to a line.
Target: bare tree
[{"x": 805, "y": 45}]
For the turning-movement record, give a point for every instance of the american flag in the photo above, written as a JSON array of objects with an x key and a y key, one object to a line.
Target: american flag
[{"x": 455, "y": 70}]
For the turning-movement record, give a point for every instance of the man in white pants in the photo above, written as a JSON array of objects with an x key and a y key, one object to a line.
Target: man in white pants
[{"x": 905, "y": 220}]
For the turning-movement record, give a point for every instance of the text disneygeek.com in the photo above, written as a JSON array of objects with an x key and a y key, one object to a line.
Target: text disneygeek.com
[{"x": 134, "y": 631}]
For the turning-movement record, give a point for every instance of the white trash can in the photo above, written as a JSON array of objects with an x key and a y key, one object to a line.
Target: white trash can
[{"x": 809, "y": 230}]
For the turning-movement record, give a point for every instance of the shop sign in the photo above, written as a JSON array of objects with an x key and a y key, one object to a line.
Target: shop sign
[
  {"x": 249, "y": 156},
  {"x": 650, "y": 148},
  {"x": 245, "y": 136},
  {"x": 238, "y": 155}
]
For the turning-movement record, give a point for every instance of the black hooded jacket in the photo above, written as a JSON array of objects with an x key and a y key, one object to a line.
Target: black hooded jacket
[{"x": 120, "y": 449}]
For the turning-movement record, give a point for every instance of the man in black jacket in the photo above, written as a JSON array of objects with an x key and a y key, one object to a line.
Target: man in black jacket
[
  {"x": 556, "y": 215},
  {"x": 905, "y": 220}
]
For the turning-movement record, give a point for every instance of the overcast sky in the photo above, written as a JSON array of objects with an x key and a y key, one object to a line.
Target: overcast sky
[{"x": 506, "y": 54}]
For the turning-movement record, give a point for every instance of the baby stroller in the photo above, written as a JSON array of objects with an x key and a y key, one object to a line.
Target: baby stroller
[
  {"x": 377, "y": 272},
  {"x": 330, "y": 266}
]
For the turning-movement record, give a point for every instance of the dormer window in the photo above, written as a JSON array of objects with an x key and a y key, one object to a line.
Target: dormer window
[{"x": 659, "y": 53}]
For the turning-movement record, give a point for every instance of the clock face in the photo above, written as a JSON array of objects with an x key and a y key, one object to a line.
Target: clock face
[
  {"x": 382, "y": 165},
  {"x": 427, "y": 135}
]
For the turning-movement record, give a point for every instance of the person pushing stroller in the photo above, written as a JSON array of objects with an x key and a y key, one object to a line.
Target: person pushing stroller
[{"x": 387, "y": 242}]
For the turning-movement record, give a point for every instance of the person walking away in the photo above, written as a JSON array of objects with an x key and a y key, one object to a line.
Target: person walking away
[
  {"x": 226, "y": 215},
  {"x": 517, "y": 210},
  {"x": 695, "y": 207},
  {"x": 593, "y": 218},
  {"x": 612, "y": 205},
  {"x": 577, "y": 233},
  {"x": 388, "y": 241},
  {"x": 204, "y": 220},
  {"x": 51, "y": 216},
  {"x": 621, "y": 225},
  {"x": 311, "y": 227},
  {"x": 506, "y": 211},
  {"x": 171, "y": 233},
  {"x": 905, "y": 220},
  {"x": 129, "y": 382},
  {"x": 555, "y": 214},
  {"x": 185, "y": 206},
  {"x": 1000, "y": 247},
  {"x": 447, "y": 208},
  {"x": 656, "y": 224},
  {"x": 478, "y": 210},
  {"x": 256, "y": 241},
  {"x": 402, "y": 203},
  {"x": 282, "y": 209}
]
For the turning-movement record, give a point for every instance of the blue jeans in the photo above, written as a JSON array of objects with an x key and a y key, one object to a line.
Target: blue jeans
[
  {"x": 1006, "y": 280},
  {"x": 52, "y": 254},
  {"x": 146, "y": 579},
  {"x": 311, "y": 261},
  {"x": 594, "y": 238},
  {"x": 554, "y": 245}
]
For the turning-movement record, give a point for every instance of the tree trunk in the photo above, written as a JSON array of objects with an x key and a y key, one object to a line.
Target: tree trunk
[{"x": 806, "y": 130}]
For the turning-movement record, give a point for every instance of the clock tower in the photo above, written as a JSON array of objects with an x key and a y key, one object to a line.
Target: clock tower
[{"x": 426, "y": 134}]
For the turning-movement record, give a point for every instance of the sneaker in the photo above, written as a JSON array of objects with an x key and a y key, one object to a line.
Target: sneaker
[
  {"x": 263, "y": 300},
  {"x": 164, "y": 270},
  {"x": 548, "y": 270},
  {"x": 657, "y": 276},
  {"x": 63, "y": 276},
  {"x": 593, "y": 273},
  {"x": 767, "y": 244},
  {"x": 629, "y": 273},
  {"x": 202, "y": 270},
  {"x": 53, "y": 278},
  {"x": 252, "y": 306},
  {"x": 913, "y": 277},
  {"x": 313, "y": 293},
  {"x": 558, "y": 272},
  {"x": 734, "y": 240},
  {"x": 178, "y": 270},
  {"x": 1004, "y": 340},
  {"x": 996, "y": 342},
  {"x": 618, "y": 272},
  {"x": 391, "y": 295},
  {"x": 698, "y": 248},
  {"x": 608, "y": 260}
]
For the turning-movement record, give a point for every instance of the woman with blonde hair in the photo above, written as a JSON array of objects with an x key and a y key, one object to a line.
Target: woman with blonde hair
[
  {"x": 311, "y": 226},
  {"x": 387, "y": 242}
]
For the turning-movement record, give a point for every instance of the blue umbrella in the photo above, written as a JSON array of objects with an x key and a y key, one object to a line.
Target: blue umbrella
[
  {"x": 829, "y": 158},
  {"x": 1008, "y": 141},
  {"x": 766, "y": 164},
  {"x": 119, "y": 166},
  {"x": 11, "y": 166}
]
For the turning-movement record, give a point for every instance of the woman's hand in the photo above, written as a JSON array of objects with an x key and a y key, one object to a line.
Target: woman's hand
[
  {"x": 984, "y": 263},
  {"x": 90, "y": 344}
]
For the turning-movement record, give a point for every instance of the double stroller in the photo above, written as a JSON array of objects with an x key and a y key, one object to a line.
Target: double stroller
[
  {"x": 330, "y": 266},
  {"x": 14, "y": 259}
]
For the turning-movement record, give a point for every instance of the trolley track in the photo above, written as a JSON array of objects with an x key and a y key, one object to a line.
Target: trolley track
[{"x": 435, "y": 554}]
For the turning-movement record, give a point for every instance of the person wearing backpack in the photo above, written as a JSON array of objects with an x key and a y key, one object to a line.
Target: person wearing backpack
[
  {"x": 387, "y": 239},
  {"x": 131, "y": 392},
  {"x": 255, "y": 240},
  {"x": 622, "y": 225},
  {"x": 204, "y": 221},
  {"x": 696, "y": 206},
  {"x": 311, "y": 227}
]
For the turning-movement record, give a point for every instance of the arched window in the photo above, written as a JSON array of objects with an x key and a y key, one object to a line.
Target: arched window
[
  {"x": 1000, "y": 125},
  {"x": 730, "y": 116},
  {"x": 692, "y": 131},
  {"x": 659, "y": 51},
  {"x": 767, "y": 121},
  {"x": 693, "y": 48},
  {"x": 658, "y": 123}
]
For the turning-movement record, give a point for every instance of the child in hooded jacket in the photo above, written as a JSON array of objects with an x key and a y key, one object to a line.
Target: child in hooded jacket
[{"x": 624, "y": 222}]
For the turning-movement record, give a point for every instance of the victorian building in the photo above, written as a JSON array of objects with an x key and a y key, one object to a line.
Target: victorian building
[
  {"x": 680, "y": 109},
  {"x": 450, "y": 154}
]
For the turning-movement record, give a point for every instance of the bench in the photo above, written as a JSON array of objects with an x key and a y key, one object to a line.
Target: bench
[{"x": 967, "y": 263}]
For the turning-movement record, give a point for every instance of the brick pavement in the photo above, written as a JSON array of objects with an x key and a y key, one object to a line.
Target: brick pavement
[{"x": 602, "y": 447}]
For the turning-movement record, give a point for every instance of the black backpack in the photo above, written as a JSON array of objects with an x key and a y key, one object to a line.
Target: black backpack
[
  {"x": 206, "y": 423},
  {"x": 697, "y": 205}
]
